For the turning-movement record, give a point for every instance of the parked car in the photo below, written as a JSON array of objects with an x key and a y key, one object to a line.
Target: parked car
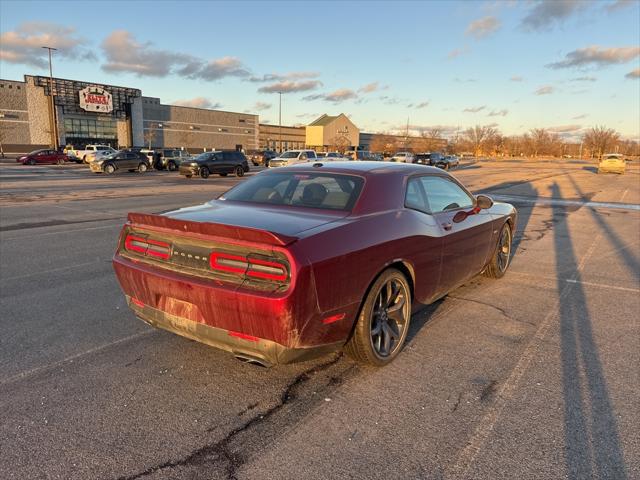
[
  {"x": 291, "y": 157},
  {"x": 404, "y": 157},
  {"x": 261, "y": 157},
  {"x": 43, "y": 156},
  {"x": 221, "y": 163},
  {"x": 82, "y": 154},
  {"x": 613, "y": 163},
  {"x": 171, "y": 158},
  {"x": 122, "y": 160},
  {"x": 332, "y": 156},
  {"x": 96, "y": 155},
  {"x": 361, "y": 155},
  {"x": 297, "y": 262}
]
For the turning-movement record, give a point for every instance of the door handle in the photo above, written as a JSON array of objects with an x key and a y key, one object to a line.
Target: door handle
[{"x": 447, "y": 226}]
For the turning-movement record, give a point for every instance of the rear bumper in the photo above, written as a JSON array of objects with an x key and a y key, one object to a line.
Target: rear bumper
[
  {"x": 188, "y": 170},
  {"x": 265, "y": 351}
]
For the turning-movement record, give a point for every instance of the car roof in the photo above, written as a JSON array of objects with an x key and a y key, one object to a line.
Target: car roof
[{"x": 360, "y": 168}]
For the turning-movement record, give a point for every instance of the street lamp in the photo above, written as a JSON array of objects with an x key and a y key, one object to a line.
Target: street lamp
[
  {"x": 54, "y": 130},
  {"x": 280, "y": 121}
]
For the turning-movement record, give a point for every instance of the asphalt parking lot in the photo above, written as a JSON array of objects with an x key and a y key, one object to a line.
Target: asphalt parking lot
[{"x": 533, "y": 376}]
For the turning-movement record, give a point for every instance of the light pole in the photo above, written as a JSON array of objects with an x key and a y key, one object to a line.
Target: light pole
[
  {"x": 54, "y": 130},
  {"x": 280, "y": 122}
]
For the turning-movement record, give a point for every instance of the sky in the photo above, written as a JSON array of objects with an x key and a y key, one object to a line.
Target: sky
[{"x": 565, "y": 65}]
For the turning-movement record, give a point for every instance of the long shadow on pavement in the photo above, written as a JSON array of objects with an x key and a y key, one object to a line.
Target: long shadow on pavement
[{"x": 592, "y": 444}]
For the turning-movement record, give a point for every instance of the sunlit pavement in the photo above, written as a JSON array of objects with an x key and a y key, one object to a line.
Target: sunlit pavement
[{"x": 532, "y": 376}]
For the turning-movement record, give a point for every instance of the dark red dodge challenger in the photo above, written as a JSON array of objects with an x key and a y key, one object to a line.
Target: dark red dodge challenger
[{"x": 299, "y": 261}]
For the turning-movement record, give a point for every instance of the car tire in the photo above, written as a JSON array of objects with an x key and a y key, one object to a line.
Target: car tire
[
  {"x": 239, "y": 171},
  {"x": 501, "y": 259},
  {"x": 172, "y": 167},
  {"x": 109, "y": 168},
  {"x": 31, "y": 161},
  {"x": 142, "y": 167},
  {"x": 383, "y": 322},
  {"x": 60, "y": 161},
  {"x": 204, "y": 172}
]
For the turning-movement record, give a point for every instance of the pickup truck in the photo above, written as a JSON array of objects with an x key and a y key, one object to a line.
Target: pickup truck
[
  {"x": 291, "y": 157},
  {"x": 98, "y": 150}
]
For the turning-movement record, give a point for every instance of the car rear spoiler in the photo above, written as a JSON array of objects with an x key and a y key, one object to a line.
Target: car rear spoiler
[{"x": 233, "y": 232}]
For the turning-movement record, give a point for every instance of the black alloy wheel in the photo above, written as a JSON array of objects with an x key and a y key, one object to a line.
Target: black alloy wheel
[
  {"x": 383, "y": 322},
  {"x": 239, "y": 171},
  {"x": 109, "y": 168},
  {"x": 500, "y": 262},
  {"x": 172, "y": 166},
  {"x": 204, "y": 172},
  {"x": 142, "y": 167}
]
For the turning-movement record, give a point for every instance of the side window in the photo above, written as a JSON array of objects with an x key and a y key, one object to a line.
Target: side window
[
  {"x": 415, "y": 198},
  {"x": 217, "y": 157},
  {"x": 311, "y": 154},
  {"x": 443, "y": 194}
]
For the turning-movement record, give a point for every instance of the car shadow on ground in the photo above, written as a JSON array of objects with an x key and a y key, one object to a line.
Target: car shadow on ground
[
  {"x": 590, "y": 169},
  {"x": 592, "y": 446}
]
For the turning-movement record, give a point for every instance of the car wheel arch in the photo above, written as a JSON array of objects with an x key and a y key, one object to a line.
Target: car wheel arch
[{"x": 404, "y": 267}]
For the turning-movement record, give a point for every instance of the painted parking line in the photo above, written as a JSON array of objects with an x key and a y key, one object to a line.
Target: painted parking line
[{"x": 566, "y": 203}]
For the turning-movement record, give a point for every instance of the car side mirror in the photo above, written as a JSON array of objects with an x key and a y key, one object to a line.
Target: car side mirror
[{"x": 484, "y": 202}]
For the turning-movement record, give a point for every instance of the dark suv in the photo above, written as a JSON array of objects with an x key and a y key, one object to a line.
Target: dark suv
[
  {"x": 221, "y": 163},
  {"x": 437, "y": 159}
]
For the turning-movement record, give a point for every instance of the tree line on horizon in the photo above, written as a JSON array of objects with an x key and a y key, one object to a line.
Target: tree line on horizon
[{"x": 486, "y": 140}]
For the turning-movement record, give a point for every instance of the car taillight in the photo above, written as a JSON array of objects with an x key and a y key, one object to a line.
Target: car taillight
[
  {"x": 148, "y": 247},
  {"x": 249, "y": 266}
]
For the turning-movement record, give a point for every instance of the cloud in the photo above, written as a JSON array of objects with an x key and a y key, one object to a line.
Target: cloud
[
  {"x": 584, "y": 79},
  {"x": 464, "y": 80},
  {"x": 261, "y": 106},
  {"x": 619, "y": 5},
  {"x": 456, "y": 52},
  {"x": 337, "y": 96},
  {"x": 544, "y": 90},
  {"x": 198, "y": 102},
  {"x": 422, "y": 105},
  {"x": 565, "y": 128},
  {"x": 24, "y": 44},
  {"x": 545, "y": 13},
  {"x": 598, "y": 56},
  {"x": 498, "y": 113},
  {"x": 483, "y": 27},
  {"x": 474, "y": 109},
  {"x": 387, "y": 100},
  {"x": 370, "y": 87},
  {"x": 516, "y": 78},
  {"x": 125, "y": 54},
  {"x": 291, "y": 86},
  {"x": 633, "y": 74},
  {"x": 279, "y": 77},
  {"x": 580, "y": 117}
]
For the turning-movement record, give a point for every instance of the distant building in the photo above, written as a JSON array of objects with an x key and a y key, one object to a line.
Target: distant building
[
  {"x": 332, "y": 132},
  {"x": 279, "y": 139},
  {"x": 91, "y": 113}
]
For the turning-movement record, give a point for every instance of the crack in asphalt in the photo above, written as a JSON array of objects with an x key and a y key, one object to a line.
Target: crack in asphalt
[
  {"x": 487, "y": 304},
  {"x": 220, "y": 450}
]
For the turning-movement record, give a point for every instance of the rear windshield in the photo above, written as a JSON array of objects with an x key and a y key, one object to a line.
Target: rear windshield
[{"x": 314, "y": 190}]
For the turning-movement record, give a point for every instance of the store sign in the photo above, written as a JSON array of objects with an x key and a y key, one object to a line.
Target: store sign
[{"x": 96, "y": 99}]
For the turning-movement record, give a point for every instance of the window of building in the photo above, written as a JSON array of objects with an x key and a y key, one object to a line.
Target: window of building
[
  {"x": 242, "y": 120},
  {"x": 223, "y": 129}
]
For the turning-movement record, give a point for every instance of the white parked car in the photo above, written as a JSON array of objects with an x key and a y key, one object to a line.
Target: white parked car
[
  {"x": 405, "y": 157},
  {"x": 291, "y": 157},
  {"x": 91, "y": 149}
]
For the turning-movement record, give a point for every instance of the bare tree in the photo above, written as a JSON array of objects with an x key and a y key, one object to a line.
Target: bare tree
[
  {"x": 479, "y": 137},
  {"x": 383, "y": 143},
  {"x": 599, "y": 139},
  {"x": 150, "y": 134},
  {"x": 538, "y": 140},
  {"x": 432, "y": 139},
  {"x": 340, "y": 143}
]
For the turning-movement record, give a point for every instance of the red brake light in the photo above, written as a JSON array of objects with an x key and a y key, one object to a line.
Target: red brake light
[
  {"x": 251, "y": 267},
  {"x": 149, "y": 247}
]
